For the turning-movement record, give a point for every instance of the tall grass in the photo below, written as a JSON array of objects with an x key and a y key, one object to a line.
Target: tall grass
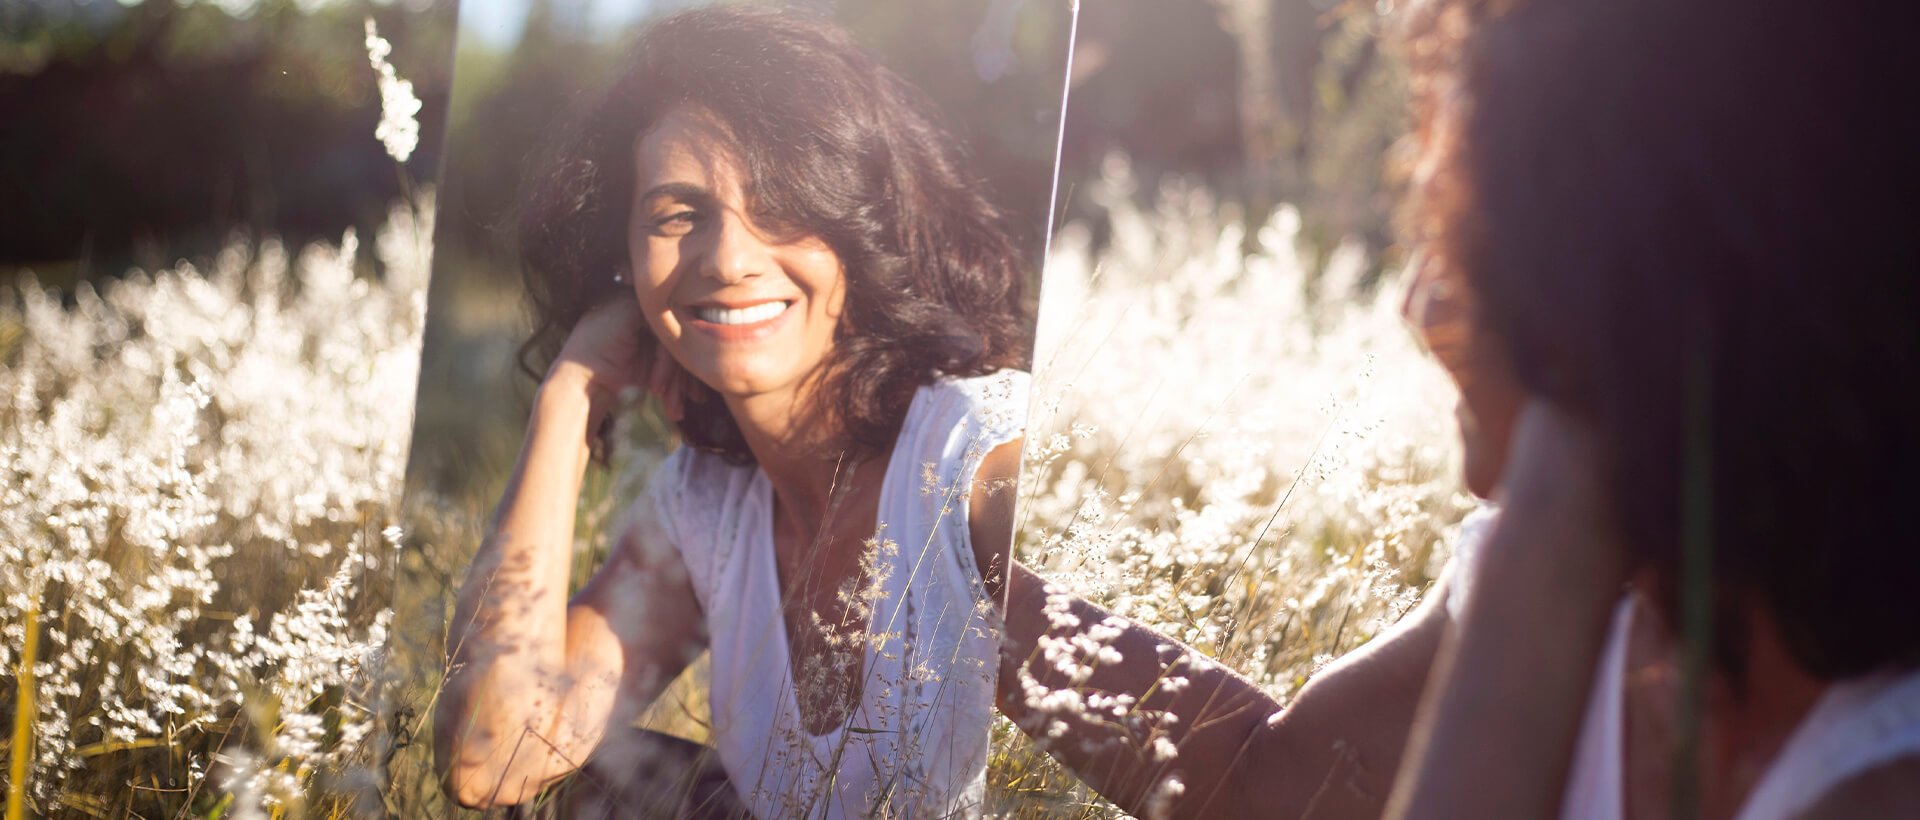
[{"x": 198, "y": 468}]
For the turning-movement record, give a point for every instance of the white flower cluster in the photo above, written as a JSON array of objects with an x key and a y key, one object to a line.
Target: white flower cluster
[
  {"x": 398, "y": 130},
  {"x": 1248, "y": 457},
  {"x": 195, "y": 470}
]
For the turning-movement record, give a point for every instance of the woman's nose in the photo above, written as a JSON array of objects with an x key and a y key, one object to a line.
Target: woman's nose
[{"x": 737, "y": 252}]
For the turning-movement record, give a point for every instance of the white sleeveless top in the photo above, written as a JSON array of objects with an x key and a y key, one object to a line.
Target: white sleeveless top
[
  {"x": 1855, "y": 726},
  {"x": 916, "y": 742}
]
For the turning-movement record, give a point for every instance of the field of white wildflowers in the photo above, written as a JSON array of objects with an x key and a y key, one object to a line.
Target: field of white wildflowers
[
  {"x": 199, "y": 478},
  {"x": 198, "y": 467},
  {"x": 1250, "y": 458}
]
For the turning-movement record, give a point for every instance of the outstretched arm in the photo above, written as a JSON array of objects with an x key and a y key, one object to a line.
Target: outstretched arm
[{"x": 1234, "y": 750}]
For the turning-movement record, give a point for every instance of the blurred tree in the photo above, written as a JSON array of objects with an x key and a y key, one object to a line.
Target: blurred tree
[
  {"x": 1319, "y": 110},
  {"x": 1264, "y": 101},
  {"x": 507, "y": 107},
  {"x": 1268, "y": 129},
  {"x": 140, "y": 134}
]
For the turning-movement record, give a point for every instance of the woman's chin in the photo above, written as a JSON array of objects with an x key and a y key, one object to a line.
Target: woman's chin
[
  {"x": 742, "y": 382},
  {"x": 1479, "y": 480}
]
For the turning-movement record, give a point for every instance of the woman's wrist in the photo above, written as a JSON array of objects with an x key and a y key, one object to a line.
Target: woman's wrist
[
  {"x": 567, "y": 378},
  {"x": 565, "y": 413},
  {"x": 568, "y": 390}
]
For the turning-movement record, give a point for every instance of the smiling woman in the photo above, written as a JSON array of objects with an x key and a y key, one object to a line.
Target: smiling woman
[
  {"x": 823, "y": 145},
  {"x": 763, "y": 228}
]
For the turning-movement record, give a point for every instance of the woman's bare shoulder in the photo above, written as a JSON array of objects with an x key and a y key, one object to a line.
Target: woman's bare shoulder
[{"x": 991, "y": 510}]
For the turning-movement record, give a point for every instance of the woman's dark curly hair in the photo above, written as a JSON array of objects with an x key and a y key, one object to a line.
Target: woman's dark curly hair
[
  {"x": 833, "y": 145},
  {"x": 1690, "y": 223}
]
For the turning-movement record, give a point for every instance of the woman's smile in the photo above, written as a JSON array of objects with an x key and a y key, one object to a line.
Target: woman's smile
[
  {"x": 737, "y": 321},
  {"x": 722, "y": 315}
]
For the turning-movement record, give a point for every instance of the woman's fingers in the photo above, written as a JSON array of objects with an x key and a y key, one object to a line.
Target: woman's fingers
[
  {"x": 612, "y": 331},
  {"x": 608, "y": 343},
  {"x": 1553, "y": 476},
  {"x": 602, "y": 357},
  {"x": 1556, "y": 522}
]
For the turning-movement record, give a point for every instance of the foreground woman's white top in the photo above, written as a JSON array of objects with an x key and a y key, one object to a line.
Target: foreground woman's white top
[
  {"x": 916, "y": 742},
  {"x": 1857, "y": 725}
]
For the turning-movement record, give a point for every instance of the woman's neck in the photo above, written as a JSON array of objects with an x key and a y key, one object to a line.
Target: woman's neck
[{"x": 804, "y": 465}]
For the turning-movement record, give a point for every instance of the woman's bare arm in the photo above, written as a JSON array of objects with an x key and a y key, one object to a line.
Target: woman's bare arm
[
  {"x": 1332, "y": 752},
  {"x": 990, "y": 514},
  {"x": 535, "y": 680},
  {"x": 1496, "y": 737}
]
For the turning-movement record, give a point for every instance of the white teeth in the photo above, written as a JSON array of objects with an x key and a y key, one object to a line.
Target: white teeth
[{"x": 741, "y": 316}]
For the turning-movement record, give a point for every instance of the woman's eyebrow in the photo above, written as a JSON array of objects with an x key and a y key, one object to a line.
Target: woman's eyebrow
[{"x": 677, "y": 190}]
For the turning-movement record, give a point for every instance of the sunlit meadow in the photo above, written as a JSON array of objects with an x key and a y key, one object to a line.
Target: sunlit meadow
[
  {"x": 200, "y": 463},
  {"x": 200, "y": 470},
  {"x": 1250, "y": 457},
  {"x": 1247, "y": 456}
]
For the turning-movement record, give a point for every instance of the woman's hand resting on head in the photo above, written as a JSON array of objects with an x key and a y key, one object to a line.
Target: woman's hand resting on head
[
  {"x": 1511, "y": 684},
  {"x": 537, "y": 676},
  {"x": 1553, "y": 492},
  {"x": 603, "y": 357}
]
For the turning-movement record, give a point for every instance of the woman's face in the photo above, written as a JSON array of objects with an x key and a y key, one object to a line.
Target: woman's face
[
  {"x": 742, "y": 308},
  {"x": 1490, "y": 398}
]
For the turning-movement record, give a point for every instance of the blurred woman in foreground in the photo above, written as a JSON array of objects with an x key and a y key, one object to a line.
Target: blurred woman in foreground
[{"x": 1665, "y": 259}]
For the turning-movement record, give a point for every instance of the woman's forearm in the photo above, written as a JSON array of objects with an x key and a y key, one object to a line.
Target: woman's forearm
[
  {"x": 508, "y": 643},
  {"x": 1497, "y": 733},
  {"x": 1071, "y": 712},
  {"x": 1496, "y": 736}
]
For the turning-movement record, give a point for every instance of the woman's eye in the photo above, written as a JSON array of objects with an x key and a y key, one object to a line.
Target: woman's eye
[{"x": 676, "y": 223}]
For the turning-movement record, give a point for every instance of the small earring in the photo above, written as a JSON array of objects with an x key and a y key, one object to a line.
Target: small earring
[{"x": 619, "y": 275}]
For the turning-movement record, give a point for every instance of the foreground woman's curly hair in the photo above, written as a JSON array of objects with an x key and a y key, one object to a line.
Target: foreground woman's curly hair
[
  {"x": 832, "y": 144},
  {"x": 1690, "y": 223}
]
